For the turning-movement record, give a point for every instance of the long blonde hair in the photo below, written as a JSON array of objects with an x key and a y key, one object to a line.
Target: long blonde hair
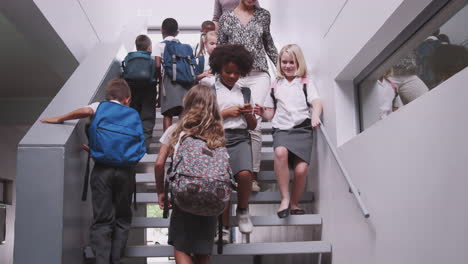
[
  {"x": 201, "y": 118},
  {"x": 296, "y": 52},
  {"x": 204, "y": 38}
]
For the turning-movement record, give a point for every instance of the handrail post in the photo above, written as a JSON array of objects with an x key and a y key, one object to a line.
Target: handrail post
[{"x": 351, "y": 185}]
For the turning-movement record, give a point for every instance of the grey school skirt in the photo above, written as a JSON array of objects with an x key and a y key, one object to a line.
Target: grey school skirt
[
  {"x": 298, "y": 140},
  {"x": 172, "y": 95},
  {"x": 240, "y": 149},
  {"x": 192, "y": 234}
]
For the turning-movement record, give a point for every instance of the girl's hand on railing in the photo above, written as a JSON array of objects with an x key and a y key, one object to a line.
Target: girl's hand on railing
[
  {"x": 315, "y": 121},
  {"x": 85, "y": 147},
  {"x": 52, "y": 120}
]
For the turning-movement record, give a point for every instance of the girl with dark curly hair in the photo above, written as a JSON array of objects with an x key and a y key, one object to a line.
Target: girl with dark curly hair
[{"x": 229, "y": 63}]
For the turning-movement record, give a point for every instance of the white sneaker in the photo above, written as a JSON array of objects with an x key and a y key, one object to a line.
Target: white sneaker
[
  {"x": 244, "y": 222},
  {"x": 255, "y": 186}
]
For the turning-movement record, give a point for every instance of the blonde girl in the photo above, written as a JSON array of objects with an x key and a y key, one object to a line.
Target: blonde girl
[
  {"x": 288, "y": 106},
  {"x": 209, "y": 44},
  {"x": 191, "y": 234}
]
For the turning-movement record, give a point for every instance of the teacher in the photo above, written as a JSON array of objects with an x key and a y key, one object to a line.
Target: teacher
[{"x": 249, "y": 25}]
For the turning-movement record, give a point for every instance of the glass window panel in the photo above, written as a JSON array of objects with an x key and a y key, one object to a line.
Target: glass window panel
[{"x": 423, "y": 67}]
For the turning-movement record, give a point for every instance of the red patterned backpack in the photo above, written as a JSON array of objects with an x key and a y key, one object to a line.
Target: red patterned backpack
[{"x": 199, "y": 179}]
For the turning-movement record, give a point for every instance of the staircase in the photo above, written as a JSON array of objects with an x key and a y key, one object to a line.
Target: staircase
[{"x": 237, "y": 251}]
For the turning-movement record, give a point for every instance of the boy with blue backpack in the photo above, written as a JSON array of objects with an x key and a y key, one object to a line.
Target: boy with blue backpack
[
  {"x": 139, "y": 70},
  {"x": 178, "y": 71},
  {"x": 116, "y": 144}
]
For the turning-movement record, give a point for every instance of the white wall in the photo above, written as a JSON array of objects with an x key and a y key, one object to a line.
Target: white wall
[
  {"x": 410, "y": 168},
  {"x": 187, "y": 13},
  {"x": 83, "y": 23}
]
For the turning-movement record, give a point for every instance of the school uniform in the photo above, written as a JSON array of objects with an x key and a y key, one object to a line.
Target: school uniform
[
  {"x": 238, "y": 141},
  {"x": 207, "y": 81},
  {"x": 291, "y": 123},
  {"x": 172, "y": 93},
  {"x": 189, "y": 233}
]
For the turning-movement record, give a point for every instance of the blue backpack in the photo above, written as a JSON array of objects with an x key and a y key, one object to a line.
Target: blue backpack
[
  {"x": 116, "y": 135},
  {"x": 179, "y": 63},
  {"x": 139, "y": 66},
  {"x": 115, "y": 138}
]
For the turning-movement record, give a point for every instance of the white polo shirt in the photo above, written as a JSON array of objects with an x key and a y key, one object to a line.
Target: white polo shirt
[
  {"x": 158, "y": 49},
  {"x": 227, "y": 98},
  {"x": 292, "y": 108}
]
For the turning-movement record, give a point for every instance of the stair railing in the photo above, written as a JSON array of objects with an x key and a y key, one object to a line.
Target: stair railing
[{"x": 351, "y": 185}]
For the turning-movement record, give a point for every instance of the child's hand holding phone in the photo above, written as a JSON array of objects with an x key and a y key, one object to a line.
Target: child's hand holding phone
[{"x": 247, "y": 109}]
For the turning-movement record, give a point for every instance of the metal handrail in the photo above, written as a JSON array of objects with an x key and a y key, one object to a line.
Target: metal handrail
[{"x": 353, "y": 188}]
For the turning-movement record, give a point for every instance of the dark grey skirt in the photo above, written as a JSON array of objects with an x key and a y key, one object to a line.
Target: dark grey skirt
[
  {"x": 239, "y": 147},
  {"x": 192, "y": 234},
  {"x": 298, "y": 140},
  {"x": 172, "y": 95}
]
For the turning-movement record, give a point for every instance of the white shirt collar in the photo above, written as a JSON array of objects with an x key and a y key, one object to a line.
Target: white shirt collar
[
  {"x": 294, "y": 82},
  {"x": 220, "y": 85},
  {"x": 170, "y": 38}
]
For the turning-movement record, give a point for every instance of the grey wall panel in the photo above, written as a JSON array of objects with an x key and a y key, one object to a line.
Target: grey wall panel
[
  {"x": 52, "y": 223},
  {"x": 39, "y": 207},
  {"x": 76, "y": 214}
]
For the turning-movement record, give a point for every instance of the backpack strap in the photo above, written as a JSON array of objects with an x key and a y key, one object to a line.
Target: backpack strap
[
  {"x": 201, "y": 64},
  {"x": 84, "y": 194},
  {"x": 174, "y": 67},
  {"x": 220, "y": 234},
  {"x": 304, "y": 82},
  {"x": 195, "y": 50},
  {"x": 192, "y": 66},
  {"x": 171, "y": 168},
  {"x": 134, "y": 189},
  {"x": 166, "y": 194},
  {"x": 272, "y": 93},
  {"x": 247, "y": 94}
]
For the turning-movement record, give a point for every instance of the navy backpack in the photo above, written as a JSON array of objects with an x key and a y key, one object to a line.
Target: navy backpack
[
  {"x": 179, "y": 63},
  {"x": 139, "y": 66}
]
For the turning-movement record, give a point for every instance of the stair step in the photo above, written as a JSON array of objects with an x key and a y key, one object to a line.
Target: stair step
[
  {"x": 266, "y": 126},
  {"x": 265, "y": 138},
  {"x": 263, "y": 176},
  {"x": 267, "y": 154},
  {"x": 255, "y": 198},
  {"x": 279, "y": 248},
  {"x": 273, "y": 220}
]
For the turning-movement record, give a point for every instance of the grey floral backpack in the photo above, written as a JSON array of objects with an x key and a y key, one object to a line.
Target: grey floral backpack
[{"x": 199, "y": 179}]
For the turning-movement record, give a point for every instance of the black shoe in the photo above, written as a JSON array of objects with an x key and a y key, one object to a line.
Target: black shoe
[
  {"x": 283, "y": 213},
  {"x": 297, "y": 212}
]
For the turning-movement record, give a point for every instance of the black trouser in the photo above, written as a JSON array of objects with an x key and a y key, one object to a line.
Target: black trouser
[
  {"x": 112, "y": 189},
  {"x": 144, "y": 101}
]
